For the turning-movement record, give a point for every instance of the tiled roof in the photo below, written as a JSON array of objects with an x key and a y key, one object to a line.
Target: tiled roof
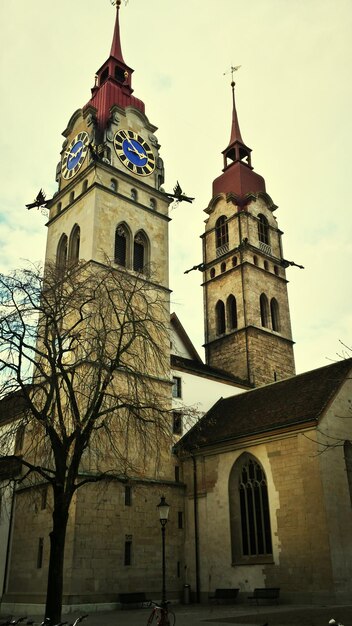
[
  {"x": 286, "y": 403},
  {"x": 198, "y": 368}
]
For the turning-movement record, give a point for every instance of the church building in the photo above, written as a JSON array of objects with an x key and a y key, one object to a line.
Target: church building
[{"x": 259, "y": 479}]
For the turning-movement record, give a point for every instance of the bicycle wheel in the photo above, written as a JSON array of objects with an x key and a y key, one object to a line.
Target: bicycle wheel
[{"x": 150, "y": 618}]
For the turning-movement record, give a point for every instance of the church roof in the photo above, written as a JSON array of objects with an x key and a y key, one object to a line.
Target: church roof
[
  {"x": 284, "y": 404},
  {"x": 193, "y": 366}
]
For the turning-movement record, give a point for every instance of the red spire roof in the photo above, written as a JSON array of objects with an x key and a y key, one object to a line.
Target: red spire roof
[
  {"x": 238, "y": 176},
  {"x": 113, "y": 81}
]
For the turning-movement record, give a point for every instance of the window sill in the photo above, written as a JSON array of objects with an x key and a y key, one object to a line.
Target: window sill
[{"x": 259, "y": 560}]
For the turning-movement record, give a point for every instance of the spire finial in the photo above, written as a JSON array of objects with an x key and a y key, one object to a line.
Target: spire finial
[
  {"x": 116, "y": 42},
  {"x": 235, "y": 128}
]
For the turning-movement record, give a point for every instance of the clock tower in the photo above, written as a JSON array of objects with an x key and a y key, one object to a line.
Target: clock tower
[
  {"x": 247, "y": 317},
  {"x": 109, "y": 204}
]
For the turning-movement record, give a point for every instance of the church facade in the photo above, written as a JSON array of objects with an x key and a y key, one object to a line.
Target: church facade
[{"x": 260, "y": 478}]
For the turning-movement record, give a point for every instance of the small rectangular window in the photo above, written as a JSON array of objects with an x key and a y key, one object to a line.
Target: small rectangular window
[
  {"x": 40, "y": 553},
  {"x": 180, "y": 519},
  {"x": 128, "y": 495},
  {"x": 176, "y": 387},
  {"x": 19, "y": 438},
  {"x": 177, "y": 423},
  {"x": 43, "y": 497},
  {"x": 128, "y": 551}
]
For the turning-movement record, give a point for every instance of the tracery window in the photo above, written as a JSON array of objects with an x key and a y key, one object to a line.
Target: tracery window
[
  {"x": 249, "y": 511},
  {"x": 140, "y": 252},
  {"x": 121, "y": 245}
]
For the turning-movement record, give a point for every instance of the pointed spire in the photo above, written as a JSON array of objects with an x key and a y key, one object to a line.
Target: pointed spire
[
  {"x": 235, "y": 129},
  {"x": 116, "y": 51}
]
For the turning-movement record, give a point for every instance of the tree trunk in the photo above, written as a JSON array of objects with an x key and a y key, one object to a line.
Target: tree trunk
[{"x": 56, "y": 563}]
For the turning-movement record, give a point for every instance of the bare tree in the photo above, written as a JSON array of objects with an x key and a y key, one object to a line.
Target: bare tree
[{"x": 86, "y": 350}]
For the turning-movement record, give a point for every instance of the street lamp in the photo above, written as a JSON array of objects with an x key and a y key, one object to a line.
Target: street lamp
[{"x": 163, "y": 508}]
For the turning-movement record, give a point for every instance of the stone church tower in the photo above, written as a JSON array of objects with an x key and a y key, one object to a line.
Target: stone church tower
[
  {"x": 246, "y": 310},
  {"x": 109, "y": 204}
]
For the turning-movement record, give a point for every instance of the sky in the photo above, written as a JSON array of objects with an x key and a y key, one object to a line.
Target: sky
[{"x": 294, "y": 103}]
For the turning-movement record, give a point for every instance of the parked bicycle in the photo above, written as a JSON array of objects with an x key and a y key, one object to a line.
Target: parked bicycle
[{"x": 162, "y": 615}]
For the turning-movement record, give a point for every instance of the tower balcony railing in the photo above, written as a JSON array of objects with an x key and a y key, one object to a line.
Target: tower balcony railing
[
  {"x": 222, "y": 250},
  {"x": 264, "y": 247}
]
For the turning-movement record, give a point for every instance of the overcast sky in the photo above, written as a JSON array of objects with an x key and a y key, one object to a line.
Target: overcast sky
[{"x": 294, "y": 102}]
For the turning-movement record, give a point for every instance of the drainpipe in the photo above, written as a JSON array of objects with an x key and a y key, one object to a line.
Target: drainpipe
[
  {"x": 9, "y": 540},
  {"x": 196, "y": 528}
]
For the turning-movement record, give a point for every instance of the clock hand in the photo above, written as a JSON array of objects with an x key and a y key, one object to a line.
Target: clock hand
[{"x": 133, "y": 149}]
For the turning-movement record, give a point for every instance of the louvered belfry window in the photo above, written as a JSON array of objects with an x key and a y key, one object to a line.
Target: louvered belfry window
[{"x": 120, "y": 246}]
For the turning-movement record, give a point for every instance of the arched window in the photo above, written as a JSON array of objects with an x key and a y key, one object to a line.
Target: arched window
[
  {"x": 72, "y": 196},
  {"x": 276, "y": 270},
  {"x": 85, "y": 186},
  {"x": 134, "y": 195},
  {"x": 140, "y": 252},
  {"x": 59, "y": 207},
  {"x": 74, "y": 245},
  {"x": 264, "y": 310},
  {"x": 223, "y": 267},
  {"x": 263, "y": 229},
  {"x": 221, "y": 232},
  {"x": 152, "y": 204},
  {"x": 255, "y": 259},
  {"x": 220, "y": 317},
  {"x": 122, "y": 239},
  {"x": 231, "y": 306},
  {"x": 212, "y": 272},
  {"x": 61, "y": 254},
  {"x": 234, "y": 261},
  {"x": 275, "y": 315},
  {"x": 266, "y": 265},
  {"x": 249, "y": 511}
]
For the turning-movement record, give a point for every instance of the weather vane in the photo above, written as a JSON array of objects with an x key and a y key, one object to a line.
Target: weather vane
[
  {"x": 233, "y": 69},
  {"x": 117, "y": 3}
]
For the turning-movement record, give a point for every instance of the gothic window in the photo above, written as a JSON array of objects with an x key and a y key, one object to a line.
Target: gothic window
[
  {"x": 249, "y": 511},
  {"x": 347, "y": 448},
  {"x": 221, "y": 231},
  {"x": 263, "y": 229},
  {"x": 140, "y": 252},
  {"x": 231, "y": 312},
  {"x": 122, "y": 239},
  {"x": 264, "y": 310},
  {"x": 275, "y": 316},
  {"x": 74, "y": 245},
  {"x": 134, "y": 195},
  {"x": 61, "y": 254},
  {"x": 220, "y": 317}
]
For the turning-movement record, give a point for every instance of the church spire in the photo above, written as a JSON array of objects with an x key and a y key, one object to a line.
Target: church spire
[
  {"x": 113, "y": 83},
  {"x": 116, "y": 50},
  {"x": 235, "y": 128},
  {"x": 238, "y": 176}
]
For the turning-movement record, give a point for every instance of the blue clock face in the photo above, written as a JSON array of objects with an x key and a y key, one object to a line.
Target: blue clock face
[
  {"x": 74, "y": 155},
  {"x": 134, "y": 152}
]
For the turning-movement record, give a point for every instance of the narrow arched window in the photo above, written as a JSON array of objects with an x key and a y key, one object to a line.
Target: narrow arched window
[
  {"x": 221, "y": 232},
  {"x": 74, "y": 245},
  {"x": 61, "y": 254},
  {"x": 231, "y": 306},
  {"x": 220, "y": 317},
  {"x": 85, "y": 186},
  {"x": 249, "y": 511},
  {"x": 121, "y": 245},
  {"x": 264, "y": 310},
  {"x": 134, "y": 195},
  {"x": 152, "y": 204},
  {"x": 72, "y": 196},
  {"x": 140, "y": 252},
  {"x": 263, "y": 229},
  {"x": 275, "y": 314}
]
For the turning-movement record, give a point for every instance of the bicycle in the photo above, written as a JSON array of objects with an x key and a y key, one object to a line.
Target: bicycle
[{"x": 162, "y": 615}]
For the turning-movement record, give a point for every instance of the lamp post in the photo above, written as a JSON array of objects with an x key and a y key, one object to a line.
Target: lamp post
[{"x": 163, "y": 508}]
